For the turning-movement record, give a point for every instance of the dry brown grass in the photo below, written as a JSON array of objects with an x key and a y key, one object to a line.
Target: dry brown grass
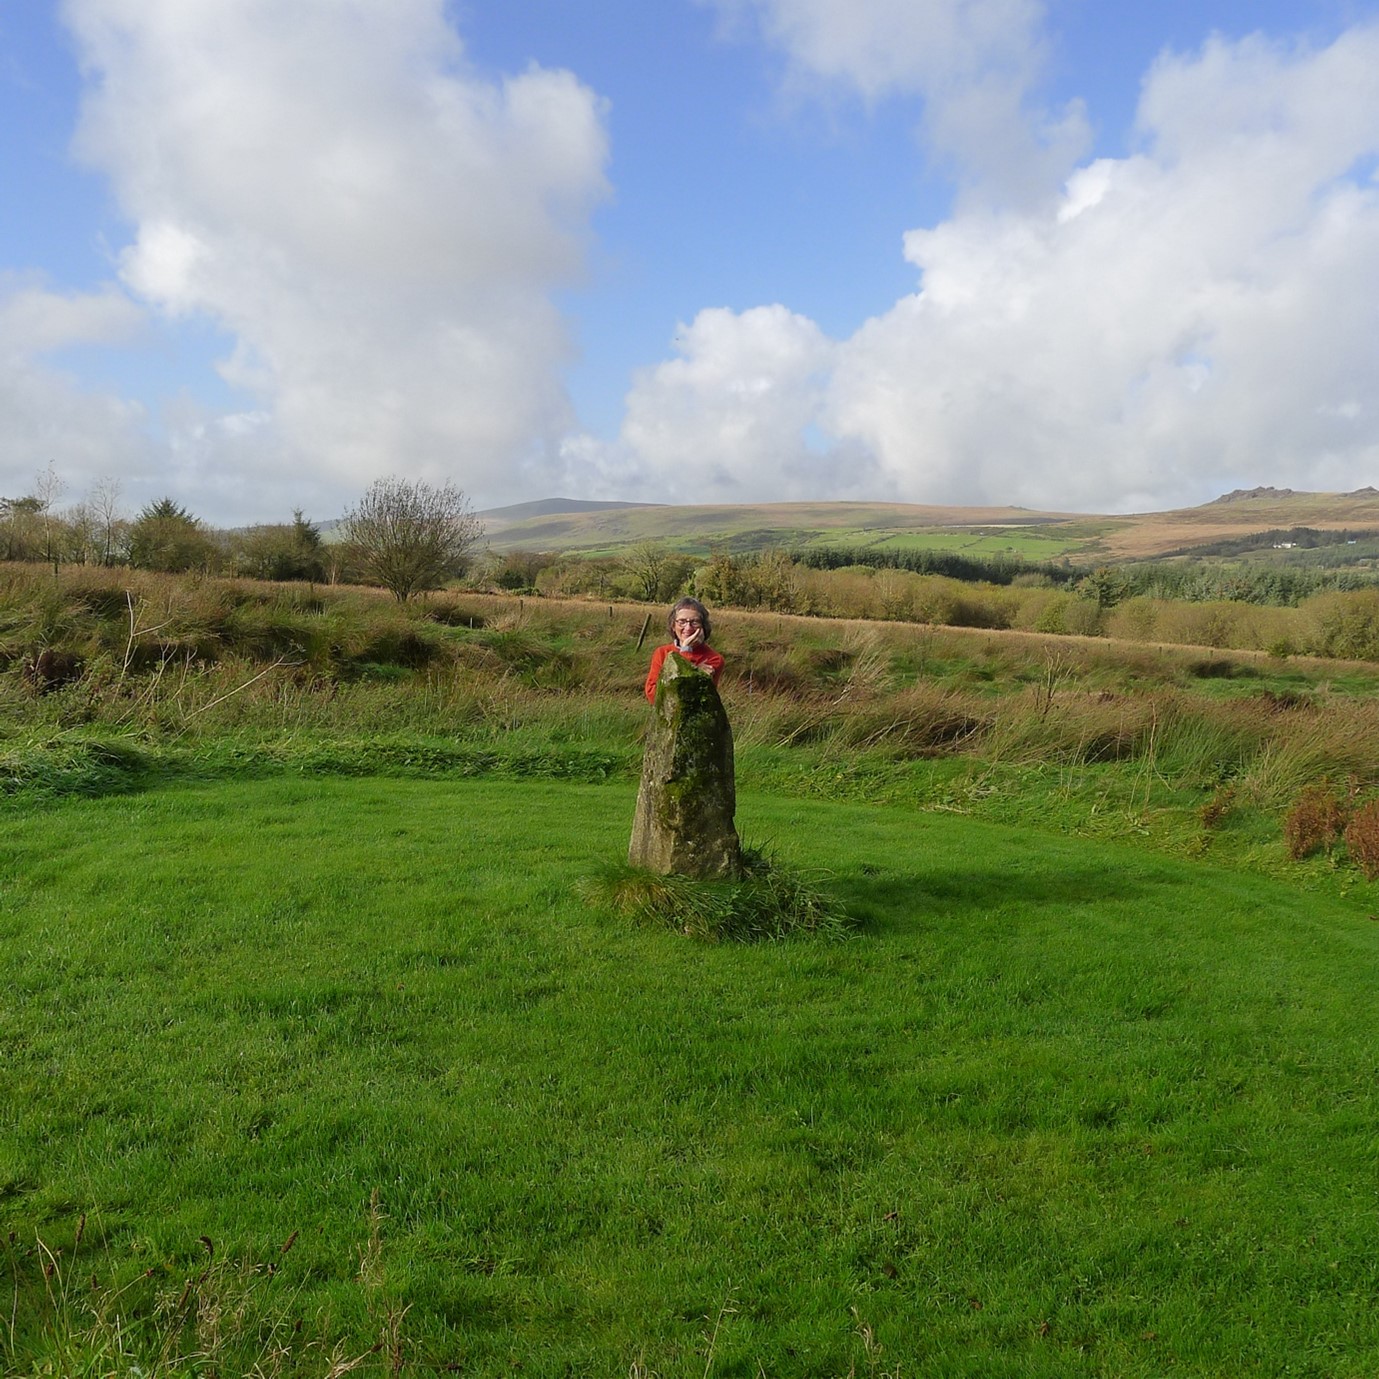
[
  {"x": 1314, "y": 823},
  {"x": 1147, "y": 535},
  {"x": 1362, "y": 839},
  {"x": 211, "y": 655}
]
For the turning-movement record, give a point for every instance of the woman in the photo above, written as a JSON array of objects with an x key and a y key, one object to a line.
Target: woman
[{"x": 690, "y": 629}]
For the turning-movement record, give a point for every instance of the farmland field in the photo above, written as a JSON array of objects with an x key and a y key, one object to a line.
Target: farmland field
[
  {"x": 1031, "y": 543},
  {"x": 332, "y": 1064}
]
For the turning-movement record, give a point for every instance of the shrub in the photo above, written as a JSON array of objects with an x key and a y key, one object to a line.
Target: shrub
[
  {"x": 1315, "y": 822},
  {"x": 896, "y": 590},
  {"x": 1050, "y": 613},
  {"x": 983, "y": 606},
  {"x": 1135, "y": 620},
  {"x": 1344, "y": 625},
  {"x": 1362, "y": 839},
  {"x": 847, "y": 593},
  {"x": 168, "y": 538},
  {"x": 1217, "y": 625},
  {"x": 1083, "y": 618}
]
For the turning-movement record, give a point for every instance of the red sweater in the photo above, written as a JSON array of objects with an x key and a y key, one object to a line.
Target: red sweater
[{"x": 701, "y": 657}]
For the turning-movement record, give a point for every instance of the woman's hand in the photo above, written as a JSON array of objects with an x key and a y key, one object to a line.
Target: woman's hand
[{"x": 689, "y": 631}]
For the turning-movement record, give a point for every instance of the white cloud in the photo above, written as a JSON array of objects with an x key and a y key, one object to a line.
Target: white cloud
[
  {"x": 976, "y": 65},
  {"x": 380, "y": 230},
  {"x": 884, "y": 47},
  {"x": 378, "y": 227},
  {"x": 48, "y": 419},
  {"x": 731, "y": 419},
  {"x": 1196, "y": 317},
  {"x": 35, "y": 321}
]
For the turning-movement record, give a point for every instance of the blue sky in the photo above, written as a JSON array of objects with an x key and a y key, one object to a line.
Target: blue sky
[{"x": 1077, "y": 256}]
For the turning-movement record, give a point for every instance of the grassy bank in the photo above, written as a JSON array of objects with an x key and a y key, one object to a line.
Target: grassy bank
[
  {"x": 1063, "y": 1108},
  {"x": 1193, "y": 749}
]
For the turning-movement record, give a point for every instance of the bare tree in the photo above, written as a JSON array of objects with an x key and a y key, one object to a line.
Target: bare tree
[
  {"x": 48, "y": 488},
  {"x": 83, "y": 533},
  {"x": 408, "y": 535},
  {"x": 104, "y": 502}
]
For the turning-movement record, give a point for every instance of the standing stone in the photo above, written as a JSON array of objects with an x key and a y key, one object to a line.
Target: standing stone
[{"x": 685, "y": 807}]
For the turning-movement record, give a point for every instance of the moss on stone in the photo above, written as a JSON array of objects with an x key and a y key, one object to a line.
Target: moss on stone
[{"x": 687, "y": 799}]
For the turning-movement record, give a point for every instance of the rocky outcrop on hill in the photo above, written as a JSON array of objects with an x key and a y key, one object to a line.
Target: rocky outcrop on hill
[{"x": 1238, "y": 495}]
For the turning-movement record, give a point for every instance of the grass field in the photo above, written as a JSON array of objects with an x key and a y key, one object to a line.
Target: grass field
[
  {"x": 342, "y": 1070},
  {"x": 1031, "y": 543}
]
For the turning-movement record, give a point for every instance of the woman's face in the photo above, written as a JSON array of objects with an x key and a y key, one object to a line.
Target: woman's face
[{"x": 688, "y": 628}]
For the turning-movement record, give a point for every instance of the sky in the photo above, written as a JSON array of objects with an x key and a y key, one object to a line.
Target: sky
[{"x": 1063, "y": 254}]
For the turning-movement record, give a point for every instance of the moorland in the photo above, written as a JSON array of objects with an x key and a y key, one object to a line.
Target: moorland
[
  {"x": 591, "y": 528},
  {"x": 319, "y": 1059}
]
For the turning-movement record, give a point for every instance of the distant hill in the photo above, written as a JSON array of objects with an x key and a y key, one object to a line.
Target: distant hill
[
  {"x": 576, "y": 526},
  {"x": 1239, "y": 514},
  {"x": 1239, "y": 495},
  {"x": 547, "y": 507},
  {"x": 745, "y": 526}
]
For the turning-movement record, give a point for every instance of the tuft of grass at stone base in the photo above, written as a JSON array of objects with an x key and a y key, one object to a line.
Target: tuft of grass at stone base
[{"x": 770, "y": 901}]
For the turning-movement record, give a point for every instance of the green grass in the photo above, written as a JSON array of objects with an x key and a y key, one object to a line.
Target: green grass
[
  {"x": 1062, "y": 1108},
  {"x": 1033, "y": 544},
  {"x": 700, "y": 530}
]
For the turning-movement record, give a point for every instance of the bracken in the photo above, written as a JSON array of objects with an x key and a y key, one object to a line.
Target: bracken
[
  {"x": 1362, "y": 839},
  {"x": 1314, "y": 822}
]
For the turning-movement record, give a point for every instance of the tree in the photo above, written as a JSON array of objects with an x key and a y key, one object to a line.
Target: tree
[
  {"x": 282, "y": 551},
  {"x": 645, "y": 563},
  {"x": 167, "y": 537},
  {"x": 48, "y": 490},
  {"x": 655, "y": 572},
  {"x": 1104, "y": 586},
  {"x": 519, "y": 569},
  {"x": 775, "y": 580},
  {"x": 83, "y": 534},
  {"x": 21, "y": 534},
  {"x": 721, "y": 579},
  {"x": 104, "y": 503},
  {"x": 409, "y": 535}
]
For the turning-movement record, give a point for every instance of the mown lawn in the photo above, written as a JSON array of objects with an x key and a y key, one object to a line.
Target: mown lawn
[{"x": 1062, "y": 1108}]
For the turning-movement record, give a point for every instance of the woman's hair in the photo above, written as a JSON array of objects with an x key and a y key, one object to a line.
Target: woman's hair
[{"x": 696, "y": 607}]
